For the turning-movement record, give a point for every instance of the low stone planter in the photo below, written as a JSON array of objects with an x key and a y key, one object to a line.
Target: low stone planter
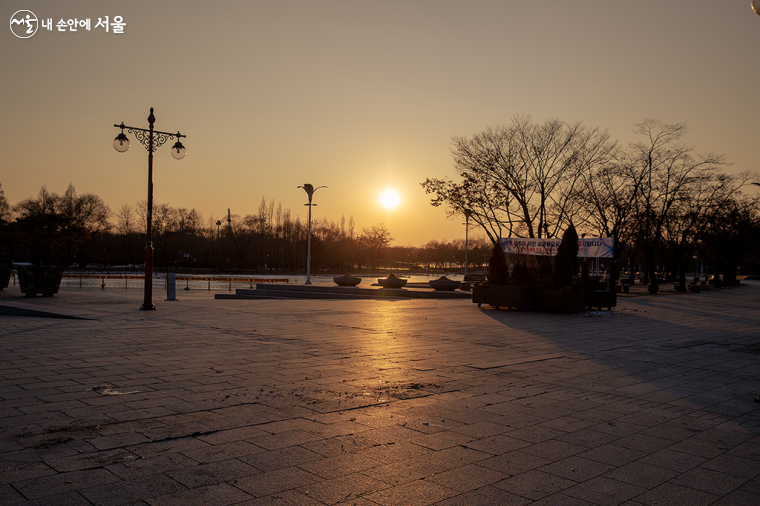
[
  {"x": 5, "y": 274},
  {"x": 527, "y": 298},
  {"x": 347, "y": 280},
  {"x": 508, "y": 296},
  {"x": 560, "y": 301},
  {"x": 444, "y": 283},
  {"x": 35, "y": 280},
  {"x": 392, "y": 281}
]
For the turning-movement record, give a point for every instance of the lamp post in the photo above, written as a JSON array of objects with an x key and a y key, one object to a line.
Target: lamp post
[
  {"x": 467, "y": 213},
  {"x": 309, "y": 189},
  {"x": 151, "y": 139},
  {"x": 213, "y": 249}
]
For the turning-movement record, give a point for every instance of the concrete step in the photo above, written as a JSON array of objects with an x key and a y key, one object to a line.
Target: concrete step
[
  {"x": 422, "y": 293},
  {"x": 270, "y": 291},
  {"x": 294, "y": 294}
]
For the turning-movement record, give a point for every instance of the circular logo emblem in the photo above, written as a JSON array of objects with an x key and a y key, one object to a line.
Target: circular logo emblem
[{"x": 24, "y": 24}]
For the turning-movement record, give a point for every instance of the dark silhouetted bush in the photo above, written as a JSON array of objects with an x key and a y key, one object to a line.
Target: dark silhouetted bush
[
  {"x": 498, "y": 273},
  {"x": 566, "y": 262},
  {"x": 521, "y": 275}
]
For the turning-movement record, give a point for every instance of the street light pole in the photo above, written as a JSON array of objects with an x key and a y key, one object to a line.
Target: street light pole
[
  {"x": 467, "y": 213},
  {"x": 213, "y": 249},
  {"x": 309, "y": 189},
  {"x": 151, "y": 139}
]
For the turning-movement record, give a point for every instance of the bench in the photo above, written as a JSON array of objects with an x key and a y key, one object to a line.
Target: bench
[{"x": 476, "y": 278}]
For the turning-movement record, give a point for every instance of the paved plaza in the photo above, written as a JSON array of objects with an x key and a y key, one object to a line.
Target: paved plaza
[{"x": 378, "y": 402}]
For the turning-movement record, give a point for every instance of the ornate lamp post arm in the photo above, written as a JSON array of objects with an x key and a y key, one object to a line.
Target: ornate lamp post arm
[{"x": 152, "y": 139}]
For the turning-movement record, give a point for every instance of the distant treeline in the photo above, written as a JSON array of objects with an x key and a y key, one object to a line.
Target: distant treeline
[{"x": 80, "y": 230}]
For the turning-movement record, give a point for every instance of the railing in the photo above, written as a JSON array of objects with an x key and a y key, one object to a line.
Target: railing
[{"x": 187, "y": 279}]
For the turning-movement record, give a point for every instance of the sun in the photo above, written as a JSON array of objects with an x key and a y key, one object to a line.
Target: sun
[{"x": 390, "y": 199}]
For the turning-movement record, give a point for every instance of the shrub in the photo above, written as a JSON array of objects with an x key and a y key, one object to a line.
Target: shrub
[
  {"x": 521, "y": 275},
  {"x": 498, "y": 273},
  {"x": 543, "y": 274},
  {"x": 566, "y": 262}
]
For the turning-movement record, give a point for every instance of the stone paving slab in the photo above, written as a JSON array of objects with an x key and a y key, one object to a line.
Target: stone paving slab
[{"x": 378, "y": 402}]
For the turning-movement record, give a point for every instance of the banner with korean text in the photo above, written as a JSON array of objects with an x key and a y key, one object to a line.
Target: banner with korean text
[{"x": 601, "y": 247}]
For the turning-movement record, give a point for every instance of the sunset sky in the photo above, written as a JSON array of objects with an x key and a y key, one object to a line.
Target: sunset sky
[{"x": 359, "y": 96}]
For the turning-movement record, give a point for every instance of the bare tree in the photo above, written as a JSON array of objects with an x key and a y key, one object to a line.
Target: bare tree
[
  {"x": 374, "y": 241},
  {"x": 607, "y": 194},
  {"x": 125, "y": 220},
  {"x": 241, "y": 235},
  {"x": 141, "y": 211},
  {"x": 45, "y": 203},
  {"x": 554, "y": 156},
  {"x": 76, "y": 218},
  {"x": 6, "y": 214},
  {"x": 521, "y": 179},
  {"x": 731, "y": 235},
  {"x": 488, "y": 202},
  {"x": 665, "y": 167},
  {"x": 701, "y": 201},
  {"x": 87, "y": 211}
]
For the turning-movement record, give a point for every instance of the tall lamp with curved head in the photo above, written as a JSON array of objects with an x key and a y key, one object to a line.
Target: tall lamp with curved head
[{"x": 309, "y": 189}]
